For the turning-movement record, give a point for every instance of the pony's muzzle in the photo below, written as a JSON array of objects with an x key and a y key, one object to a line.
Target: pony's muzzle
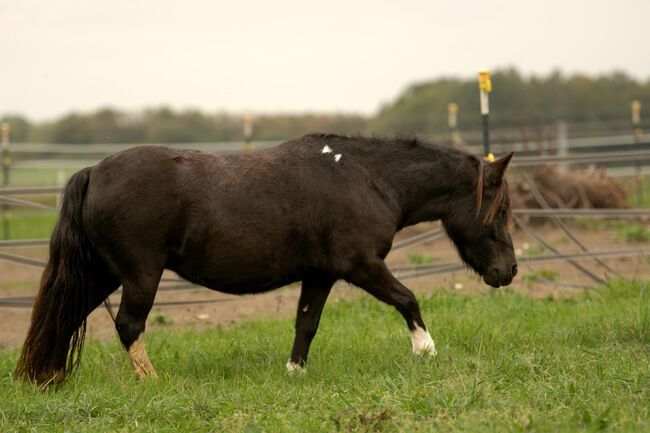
[{"x": 497, "y": 277}]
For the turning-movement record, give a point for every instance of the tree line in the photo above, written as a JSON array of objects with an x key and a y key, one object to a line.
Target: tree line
[
  {"x": 515, "y": 100},
  {"x": 421, "y": 108},
  {"x": 164, "y": 125}
]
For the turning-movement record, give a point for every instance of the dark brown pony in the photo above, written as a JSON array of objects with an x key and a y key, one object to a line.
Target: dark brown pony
[{"x": 316, "y": 209}]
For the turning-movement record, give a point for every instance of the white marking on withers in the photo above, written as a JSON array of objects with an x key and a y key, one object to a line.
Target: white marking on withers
[
  {"x": 326, "y": 149},
  {"x": 293, "y": 367},
  {"x": 422, "y": 342},
  {"x": 337, "y": 157}
]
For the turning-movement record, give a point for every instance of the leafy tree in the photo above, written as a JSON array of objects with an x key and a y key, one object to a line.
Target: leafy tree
[
  {"x": 20, "y": 128},
  {"x": 516, "y": 102},
  {"x": 515, "y": 99},
  {"x": 72, "y": 129}
]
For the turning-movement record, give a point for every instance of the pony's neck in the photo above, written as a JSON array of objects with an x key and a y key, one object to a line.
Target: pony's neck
[{"x": 429, "y": 182}]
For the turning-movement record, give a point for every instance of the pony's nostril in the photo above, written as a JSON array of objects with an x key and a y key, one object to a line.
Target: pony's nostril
[{"x": 514, "y": 269}]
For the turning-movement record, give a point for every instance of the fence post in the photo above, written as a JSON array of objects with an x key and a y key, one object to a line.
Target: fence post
[
  {"x": 248, "y": 133},
  {"x": 452, "y": 122},
  {"x": 5, "y": 129},
  {"x": 60, "y": 182},
  {"x": 635, "y": 107},
  {"x": 563, "y": 142},
  {"x": 485, "y": 86}
]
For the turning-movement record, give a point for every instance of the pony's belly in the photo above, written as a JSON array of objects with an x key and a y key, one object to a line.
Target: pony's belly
[
  {"x": 237, "y": 279},
  {"x": 240, "y": 287}
]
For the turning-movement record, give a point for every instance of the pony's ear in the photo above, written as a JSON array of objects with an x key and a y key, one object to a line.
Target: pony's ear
[{"x": 495, "y": 170}]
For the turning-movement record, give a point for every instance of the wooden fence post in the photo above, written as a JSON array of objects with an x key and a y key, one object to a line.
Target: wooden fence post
[
  {"x": 5, "y": 129},
  {"x": 452, "y": 122},
  {"x": 635, "y": 107}
]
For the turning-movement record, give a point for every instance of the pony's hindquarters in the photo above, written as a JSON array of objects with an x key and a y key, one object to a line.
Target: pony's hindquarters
[{"x": 74, "y": 282}]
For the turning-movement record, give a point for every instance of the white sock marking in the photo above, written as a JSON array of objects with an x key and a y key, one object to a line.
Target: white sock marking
[
  {"x": 326, "y": 149},
  {"x": 337, "y": 157},
  {"x": 422, "y": 342},
  {"x": 293, "y": 367}
]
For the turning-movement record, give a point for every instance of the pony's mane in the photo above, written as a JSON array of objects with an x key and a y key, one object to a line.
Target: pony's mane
[
  {"x": 497, "y": 202},
  {"x": 500, "y": 198},
  {"x": 409, "y": 140}
]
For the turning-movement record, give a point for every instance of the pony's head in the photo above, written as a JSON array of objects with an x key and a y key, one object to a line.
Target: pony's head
[{"x": 479, "y": 225}]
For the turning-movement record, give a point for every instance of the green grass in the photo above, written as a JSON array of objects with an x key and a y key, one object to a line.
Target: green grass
[
  {"x": 38, "y": 176},
  {"x": 540, "y": 275},
  {"x": 29, "y": 224},
  {"x": 632, "y": 233},
  {"x": 506, "y": 363},
  {"x": 626, "y": 230},
  {"x": 600, "y": 224},
  {"x": 419, "y": 258},
  {"x": 534, "y": 250},
  {"x": 632, "y": 197},
  {"x": 17, "y": 285}
]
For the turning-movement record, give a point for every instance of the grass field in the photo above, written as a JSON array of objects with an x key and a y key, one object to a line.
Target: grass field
[
  {"x": 40, "y": 176},
  {"x": 30, "y": 224},
  {"x": 506, "y": 363}
]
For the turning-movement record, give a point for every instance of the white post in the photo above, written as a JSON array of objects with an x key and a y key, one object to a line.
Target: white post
[
  {"x": 452, "y": 122},
  {"x": 485, "y": 86},
  {"x": 60, "y": 182},
  {"x": 248, "y": 133},
  {"x": 563, "y": 143},
  {"x": 5, "y": 155},
  {"x": 635, "y": 107},
  {"x": 636, "y": 119}
]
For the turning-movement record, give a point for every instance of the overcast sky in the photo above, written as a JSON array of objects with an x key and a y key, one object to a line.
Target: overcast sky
[{"x": 290, "y": 56}]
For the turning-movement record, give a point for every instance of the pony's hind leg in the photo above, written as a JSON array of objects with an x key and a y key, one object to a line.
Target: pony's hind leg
[{"x": 137, "y": 299}]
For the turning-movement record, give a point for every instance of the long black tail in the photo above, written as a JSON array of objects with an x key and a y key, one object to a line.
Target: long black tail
[{"x": 55, "y": 339}]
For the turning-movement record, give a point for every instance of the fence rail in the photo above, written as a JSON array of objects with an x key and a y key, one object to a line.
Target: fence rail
[
  {"x": 440, "y": 268},
  {"x": 635, "y": 156},
  {"x": 404, "y": 272}
]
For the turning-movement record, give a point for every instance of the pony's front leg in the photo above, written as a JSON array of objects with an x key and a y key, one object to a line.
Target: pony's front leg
[
  {"x": 375, "y": 278},
  {"x": 310, "y": 306}
]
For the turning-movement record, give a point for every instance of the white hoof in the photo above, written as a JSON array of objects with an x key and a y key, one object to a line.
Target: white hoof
[
  {"x": 293, "y": 368},
  {"x": 422, "y": 342}
]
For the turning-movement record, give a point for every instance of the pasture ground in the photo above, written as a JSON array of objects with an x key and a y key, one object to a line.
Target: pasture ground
[
  {"x": 542, "y": 355},
  {"x": 507, "y": 362}
]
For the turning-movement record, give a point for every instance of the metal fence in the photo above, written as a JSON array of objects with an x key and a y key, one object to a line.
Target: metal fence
[{"x": 19, "y": 197}]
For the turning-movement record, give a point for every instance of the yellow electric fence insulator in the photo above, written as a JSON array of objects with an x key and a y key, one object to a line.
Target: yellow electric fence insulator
[
  {"x": 452, "y": 107},
  {"x": 490, "y": 157},
  {"x": 484, "y": 81}
]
